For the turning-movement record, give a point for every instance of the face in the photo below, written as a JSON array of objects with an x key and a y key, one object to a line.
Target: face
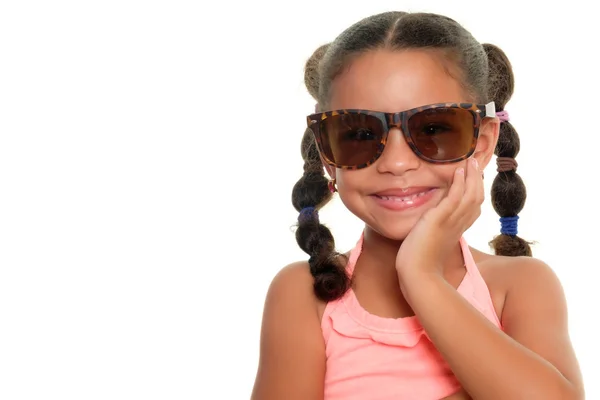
[{"x": 391, "y": 194}]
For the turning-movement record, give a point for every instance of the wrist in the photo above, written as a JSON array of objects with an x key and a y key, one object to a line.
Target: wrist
[{"x": 420, "y": 283}]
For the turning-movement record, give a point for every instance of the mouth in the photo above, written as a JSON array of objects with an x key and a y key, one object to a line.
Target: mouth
[{"x": 400, "y": 199}]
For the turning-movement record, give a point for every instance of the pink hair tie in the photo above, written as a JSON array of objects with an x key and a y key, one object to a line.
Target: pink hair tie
[{"x": 503, "y": 115}]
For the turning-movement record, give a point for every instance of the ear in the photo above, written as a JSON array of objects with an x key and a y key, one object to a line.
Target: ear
[
  {"x": 486, "y": 143},
  {"x": 330, "y": 170}
]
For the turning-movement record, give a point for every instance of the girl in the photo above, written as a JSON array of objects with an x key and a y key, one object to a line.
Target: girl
[{"x": 410, "y": 111}]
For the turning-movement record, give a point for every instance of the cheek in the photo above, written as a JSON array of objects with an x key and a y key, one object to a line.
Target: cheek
[
  {"x": 352, "y": 186},
  {"x": 352, "y": 180},
  {"x": 445, "y": 173},
  {"x": 344, "y": 181}
]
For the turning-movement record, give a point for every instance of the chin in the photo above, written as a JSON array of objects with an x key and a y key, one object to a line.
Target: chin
[
  {"x": 395, "y": 232},
  {"x": 392, "y": 225}
]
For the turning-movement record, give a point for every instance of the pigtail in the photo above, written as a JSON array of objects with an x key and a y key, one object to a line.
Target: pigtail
[
  {"x": 508, "y": 189},
  {"x": 310, "y": 194},
  {"x": 311, "y": 71}
]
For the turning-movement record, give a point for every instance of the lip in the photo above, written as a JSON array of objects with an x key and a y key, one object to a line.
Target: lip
[
  {"x": 404, "y": 192},
  {"x": 391, "y": 201}
]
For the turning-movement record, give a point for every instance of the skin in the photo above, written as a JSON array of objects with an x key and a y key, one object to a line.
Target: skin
[{"x": 531, "y": 359}]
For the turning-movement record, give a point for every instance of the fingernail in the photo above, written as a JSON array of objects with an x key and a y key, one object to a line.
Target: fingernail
[
  {"x": 475, "y": 163},
  {"x": 461, "y": 171}
]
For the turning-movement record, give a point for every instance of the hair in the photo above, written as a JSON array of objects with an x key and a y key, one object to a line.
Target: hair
[
  {"x": 508, "y": 189},
  {"x": 485, "y": 74}
]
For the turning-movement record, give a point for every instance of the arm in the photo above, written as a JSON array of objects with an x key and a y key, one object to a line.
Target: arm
[
  {"x": 292, "y": 350},
  {"x": 532, "y": 359}
]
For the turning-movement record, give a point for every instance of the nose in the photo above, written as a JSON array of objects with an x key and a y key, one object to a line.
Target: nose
[{"x": 397, "y": 157}]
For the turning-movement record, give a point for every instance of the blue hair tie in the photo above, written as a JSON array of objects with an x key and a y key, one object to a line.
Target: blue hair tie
[
  {"x": 308, "y": 214},
  {"x": 508, "y": 225}
]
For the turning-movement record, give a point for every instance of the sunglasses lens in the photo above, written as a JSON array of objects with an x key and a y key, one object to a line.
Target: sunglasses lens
[
  {"x": 350, "y": 139},
  {"x": 443, "y": 134}
]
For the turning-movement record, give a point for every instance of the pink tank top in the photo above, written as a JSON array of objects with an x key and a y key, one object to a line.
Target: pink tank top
[{"x": 375, "y": 358}]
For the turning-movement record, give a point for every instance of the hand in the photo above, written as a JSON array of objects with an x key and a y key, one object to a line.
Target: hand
[{"x": 428, "y": 244}]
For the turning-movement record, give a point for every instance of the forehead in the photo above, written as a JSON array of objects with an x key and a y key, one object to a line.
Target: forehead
[{"x": 391, "y": 81}]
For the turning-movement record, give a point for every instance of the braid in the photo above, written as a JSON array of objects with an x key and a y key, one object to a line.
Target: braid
[
  {"x": 311, "y": 71},
  {"x": 312, "y": 192},
  {"x": 508, "y": 189}
]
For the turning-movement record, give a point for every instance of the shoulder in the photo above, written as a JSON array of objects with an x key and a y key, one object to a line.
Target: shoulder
[
  {"x": 513, "y": 281},
  {"x": 535, "y": 311},
  {"x": 292, "y": 280},
  {"x": 296, "y": 283},
  {"x": 527, "y": 286},
  {"x": 529, "y": 271},
  {"x": 292, "y": 350},
  {"x": 291, "y": 292},
  {"x": 512, "y": 273},
  {"x": 531, "y": 282},
  {"x": 517, "y": 274}
]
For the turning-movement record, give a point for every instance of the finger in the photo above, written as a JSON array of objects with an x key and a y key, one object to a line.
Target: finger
[
  {"x": 470, "y": 205},
  {"x": 451, "y": 202},
  {"x": 457, "y": 190},
  {"x": 479, "y": 186},
  {"x": 474, "y": 183},
  {"x": 480, "y": 190}
]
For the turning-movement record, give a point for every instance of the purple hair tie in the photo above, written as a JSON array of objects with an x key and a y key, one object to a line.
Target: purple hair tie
[
  {"x": 503, "y": 115},
  {"x": 308, "y": 214}
]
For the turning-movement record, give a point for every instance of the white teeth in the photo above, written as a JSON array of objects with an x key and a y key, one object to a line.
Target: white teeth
[{"x": 403, "y": 198}]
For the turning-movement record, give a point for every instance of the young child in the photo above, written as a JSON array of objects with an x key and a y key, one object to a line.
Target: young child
[{"x": 410, "y": 111}]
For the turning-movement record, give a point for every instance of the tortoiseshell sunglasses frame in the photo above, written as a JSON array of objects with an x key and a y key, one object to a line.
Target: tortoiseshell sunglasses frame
[{"x": 400, "y": 120}]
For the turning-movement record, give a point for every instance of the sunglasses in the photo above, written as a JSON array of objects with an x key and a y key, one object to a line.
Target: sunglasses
[{"x": 437, "y": 133}]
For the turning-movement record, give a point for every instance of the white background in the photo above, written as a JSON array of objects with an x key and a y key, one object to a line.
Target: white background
[{"x": 147, "y": 156}]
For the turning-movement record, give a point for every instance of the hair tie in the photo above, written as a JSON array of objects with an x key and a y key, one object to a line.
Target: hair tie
[
  {"x": 508, "y": 225},
  {"x": 503, "y": 115},
  {"x": 308, "y": 214},
  {"x": 506, "y": 164}
]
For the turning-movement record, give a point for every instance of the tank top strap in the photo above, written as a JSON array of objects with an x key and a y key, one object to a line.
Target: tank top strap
[
  {"x": 477, "y": 286},
  {"x": 354, "y": 254},
  {"x": 470, "y": 265}
]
